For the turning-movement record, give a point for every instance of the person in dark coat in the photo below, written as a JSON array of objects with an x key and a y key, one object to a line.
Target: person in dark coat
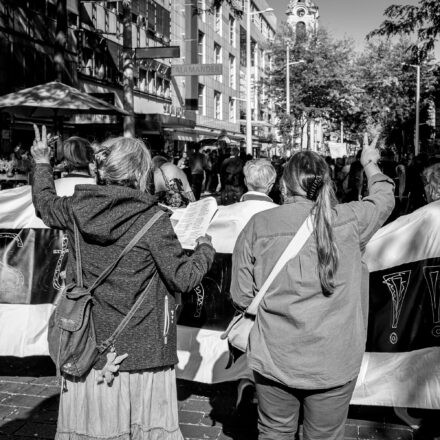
[
  {"x": 142, "y": 398},
  {"x": 232, "y": 178}
]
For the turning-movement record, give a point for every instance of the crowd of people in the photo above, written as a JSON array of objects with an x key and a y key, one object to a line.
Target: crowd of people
[
  {"x": 306, "y": 346},
  {"x": 219, "y": 173}
]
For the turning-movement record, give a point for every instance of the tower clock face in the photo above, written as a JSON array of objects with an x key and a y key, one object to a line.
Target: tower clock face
[{"x": 301, "y": 12}]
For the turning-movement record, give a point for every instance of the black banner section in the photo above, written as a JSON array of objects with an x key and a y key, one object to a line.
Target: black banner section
[
  {"x": 209, "y": 305},
  {"x": 404, "y": 300},
  {"x": 32, "y": 261},
  {"x": 405, "y": 307},
  {"x": 31, "y": 264}
]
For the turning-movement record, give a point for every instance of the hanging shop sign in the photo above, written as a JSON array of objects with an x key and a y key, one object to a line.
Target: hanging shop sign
[
  {"x": 157, "y": 52},
  {"x": 196, "y": 69}
]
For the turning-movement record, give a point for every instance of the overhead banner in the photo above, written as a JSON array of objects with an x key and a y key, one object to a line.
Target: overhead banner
[{"x": 402, "y": 363}]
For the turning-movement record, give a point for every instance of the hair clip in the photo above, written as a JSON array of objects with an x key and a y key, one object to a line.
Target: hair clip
[{"x": 315, "y": 186}]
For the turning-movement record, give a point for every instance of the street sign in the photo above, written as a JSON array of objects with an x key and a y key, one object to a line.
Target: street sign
[
  {"x": 196, "y": 69},
  {"x": 157, "y": 52}
]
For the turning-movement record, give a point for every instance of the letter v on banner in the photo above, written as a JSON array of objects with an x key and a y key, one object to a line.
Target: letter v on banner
[
  {"x": 432, "y": 277},
  {"x": 397, "y": 284}
]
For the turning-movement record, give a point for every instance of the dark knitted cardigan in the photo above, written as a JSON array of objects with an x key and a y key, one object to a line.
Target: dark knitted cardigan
[{"x": 108, "y": 217}]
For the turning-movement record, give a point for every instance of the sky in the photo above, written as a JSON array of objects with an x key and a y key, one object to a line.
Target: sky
[{"x": 353, "y": 18}]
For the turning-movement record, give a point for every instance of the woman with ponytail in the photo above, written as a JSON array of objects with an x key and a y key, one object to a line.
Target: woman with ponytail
[{"x": 308, "y": 340}]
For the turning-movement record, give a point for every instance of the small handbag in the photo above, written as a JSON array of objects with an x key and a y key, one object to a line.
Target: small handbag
[
  {"x": 240, "y": 327},
  {"x": 71, "y": 332}
]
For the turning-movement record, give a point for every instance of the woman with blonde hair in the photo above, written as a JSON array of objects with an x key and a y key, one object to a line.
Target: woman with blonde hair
[
  {"x": 138, "y": 401},
  {"x": 307, "y": 343}
]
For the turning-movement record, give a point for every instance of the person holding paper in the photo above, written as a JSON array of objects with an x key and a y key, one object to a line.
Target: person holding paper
[{"x": 307, "y": 343}]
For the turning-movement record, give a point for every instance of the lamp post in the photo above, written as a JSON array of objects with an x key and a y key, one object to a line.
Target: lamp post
[
  {"x": 288, "y": 64},
  {"x": 288, "y": 80},
  {"x": 248, "y": 75},
  {"x": 417, "y": 134},
  {"x": 417, "y": 127}
]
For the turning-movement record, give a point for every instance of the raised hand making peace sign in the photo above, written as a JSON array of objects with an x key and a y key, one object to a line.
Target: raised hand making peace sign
[
  {"x": 370, "y": 154},
  {"x": 370, "y": 157},
  {"x": 40, "y": 150}
]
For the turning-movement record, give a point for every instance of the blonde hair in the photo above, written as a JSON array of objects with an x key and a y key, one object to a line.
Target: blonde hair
[
  {"x": 126, "y": 162},
  {"x": 432, "y": 179},
  {"x": 308, "y": 172},
  {"x": 260, "y": 175}
]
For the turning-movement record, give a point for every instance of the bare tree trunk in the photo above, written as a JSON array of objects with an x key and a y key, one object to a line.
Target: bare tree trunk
[
  {"x": 60, "y": 39},
  {"x": 128, "y": 85},
  {"x": 60, "y": 65}
]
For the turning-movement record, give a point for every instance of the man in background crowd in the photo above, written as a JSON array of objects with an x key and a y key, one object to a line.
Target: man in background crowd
[{"x": 232, "y": 178}]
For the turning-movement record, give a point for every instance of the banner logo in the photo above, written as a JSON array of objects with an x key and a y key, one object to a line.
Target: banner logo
[
  {"x": 431, "y": 274},
  {"x": 200, "y": 292},
  {"x": 11, "y": 279},
  {"x": 397, "y": 284},
  {"x": 58, "y": 276}
]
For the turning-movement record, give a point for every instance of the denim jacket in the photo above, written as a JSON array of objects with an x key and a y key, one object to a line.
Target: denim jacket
[{"x": 302, "y": 338}]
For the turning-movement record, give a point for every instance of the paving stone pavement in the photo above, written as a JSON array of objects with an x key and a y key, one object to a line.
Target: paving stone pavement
[{"x": 29, "y": 395}]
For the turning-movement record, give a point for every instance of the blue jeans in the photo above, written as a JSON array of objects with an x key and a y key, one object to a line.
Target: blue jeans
[{"x": 325, "y": 411}]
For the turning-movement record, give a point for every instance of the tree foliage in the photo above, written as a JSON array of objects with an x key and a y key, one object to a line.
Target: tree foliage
[
  {"x": 363, "y": 90},
  {"x": 388, "y": 80},
  {"x": 423, "y": 20},
  {"x": 321, "y": 81}
]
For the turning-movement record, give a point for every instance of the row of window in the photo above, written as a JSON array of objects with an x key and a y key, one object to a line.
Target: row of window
[
  {"x": 258, "y": 20},
  {"x": 218, "y": 105},
  {"x": 146, "y": 14},
  {"x": 218, "y": 59}
]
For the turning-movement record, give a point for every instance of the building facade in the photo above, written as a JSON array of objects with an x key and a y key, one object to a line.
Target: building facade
[
  {"x": 218, "y": 36},
  {"x": 170, "y": 111},
  {"x": 93, "y": 59},
  {"x": 303, "y": 17}
]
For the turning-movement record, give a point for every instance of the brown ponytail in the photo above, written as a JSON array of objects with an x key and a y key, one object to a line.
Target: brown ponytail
[
  {"x": 327, "y": 251},
  {"x": 307, "y": 174}
]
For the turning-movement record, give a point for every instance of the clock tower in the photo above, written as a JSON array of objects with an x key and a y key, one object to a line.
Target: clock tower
[{"x": 302, "y": 17}]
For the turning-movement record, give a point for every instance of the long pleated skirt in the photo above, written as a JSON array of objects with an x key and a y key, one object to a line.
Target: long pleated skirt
[{"x": 137, "y": 406}]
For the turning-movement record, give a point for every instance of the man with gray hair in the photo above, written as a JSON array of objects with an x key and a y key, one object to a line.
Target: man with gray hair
[{"x": 260, "y": 177}]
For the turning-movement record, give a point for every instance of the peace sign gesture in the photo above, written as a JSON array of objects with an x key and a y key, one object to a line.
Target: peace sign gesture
[
  {"x": 370, "y": 154},
  {"x": 40, "y": 151}
]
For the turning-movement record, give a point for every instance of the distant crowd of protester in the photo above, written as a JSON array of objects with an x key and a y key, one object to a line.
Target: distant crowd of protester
[{"x": 213, "y": 171}]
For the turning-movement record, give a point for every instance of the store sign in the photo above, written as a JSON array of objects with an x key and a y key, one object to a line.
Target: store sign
[
  {"x": 196, "y": 69},
  {"x": 87, "y": 118},
  {"x": 173, "y": 110},
  {"x": 157, "y": 52}
]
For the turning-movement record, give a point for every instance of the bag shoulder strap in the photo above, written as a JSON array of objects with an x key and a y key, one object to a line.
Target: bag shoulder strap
[
  {"x": 127, "y": 249},
  {"x": 289, "y": 253},
  {"x": 165, "y": 179},
  {"x": 79, "y": 276},
  {"x": 119, "y": 329}
]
